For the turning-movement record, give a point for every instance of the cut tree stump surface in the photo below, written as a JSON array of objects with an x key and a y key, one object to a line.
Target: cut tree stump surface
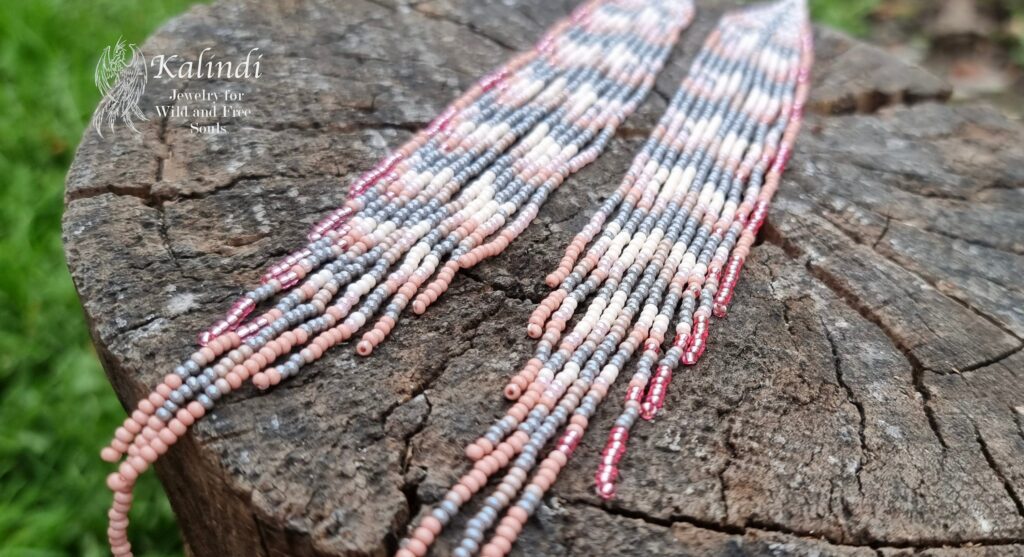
[{"x": 862, "y": 398}]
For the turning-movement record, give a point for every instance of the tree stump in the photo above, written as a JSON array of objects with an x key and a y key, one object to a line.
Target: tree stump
[{"x": 862, "y": 398}]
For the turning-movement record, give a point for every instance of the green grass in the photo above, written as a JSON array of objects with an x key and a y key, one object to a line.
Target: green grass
[
  {"x": 56, "y": 407},
  {"x": 849, "y": 15}
]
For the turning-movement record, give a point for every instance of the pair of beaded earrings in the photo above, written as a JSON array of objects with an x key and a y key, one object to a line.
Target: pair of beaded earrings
[{"x": 666, "y": 248}]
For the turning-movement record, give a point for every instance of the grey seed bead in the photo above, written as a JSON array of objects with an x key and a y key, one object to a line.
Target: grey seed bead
[
  {"x": 449, "y": 507},
  {"x": 441, "y": 516},
  {"x": 474, "y": 534},
  {"x": 163, "y": 414},
  {"x": 213, "y": 392},
  {"x": 176, "y": 396},
  {"x": 529, "y": 504},
  {"x": 205, "y": 401}
]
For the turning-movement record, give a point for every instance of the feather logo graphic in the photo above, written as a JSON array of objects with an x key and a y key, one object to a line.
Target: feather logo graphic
[{"x": 121, "y": 78}]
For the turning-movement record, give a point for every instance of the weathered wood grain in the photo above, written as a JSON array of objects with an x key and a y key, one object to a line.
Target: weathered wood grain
[{"x": 862, "y": 398}]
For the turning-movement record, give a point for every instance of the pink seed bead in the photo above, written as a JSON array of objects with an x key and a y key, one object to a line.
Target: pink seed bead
[
  {"x": 138, "y": 463},
  {"x": 128, "y": 472},
  {"x": 177, "y": 427},
  {"x": 185, "y": 417},
  {"x": 108, "y": 454},
  {"x": 167, "y": 436},
  {"x": 431, "y": 524},
  {"x": 518, "y": 514},
  {"x": 417, "y": 547},
  {"x": 474, "y": 452},
  {"x": 463, "y": 491},
  {"x": 159, "y": 446},
  {"x": 491, "y": 550},
  {"x": 117, "y": 482},
  {"x": 425, "y": 536},
  {"x": 502, "y": 544}
]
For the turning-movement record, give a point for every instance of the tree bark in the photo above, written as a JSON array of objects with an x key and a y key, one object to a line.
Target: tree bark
[{"x": 862, "y": 398}]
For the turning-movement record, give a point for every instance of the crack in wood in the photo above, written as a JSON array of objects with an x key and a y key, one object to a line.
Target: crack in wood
[
  {"x": 998, "y": 470},
  {"x": 873, "y": 246},
  {"x": 761, "y": 526},
  {"x": 468, "y": 26},
  {"x": 975, "y": 242},
  {"x": 852, "y": 399},
  {"x": 774, "y": 236},
  {"x": 259, "y": 531},
  {"x": 989, "y": 361}
]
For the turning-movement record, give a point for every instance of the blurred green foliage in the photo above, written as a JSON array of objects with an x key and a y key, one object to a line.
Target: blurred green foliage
[
  {"x": 56, "y": 407},
  {"x": 849, "y": 15},
  {"x": 1015, "y": 30}
]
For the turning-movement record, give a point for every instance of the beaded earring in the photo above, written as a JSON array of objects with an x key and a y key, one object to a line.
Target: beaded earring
[
  {"x": 458, "y": 192},
  {"x": 686, "y": 212}
]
